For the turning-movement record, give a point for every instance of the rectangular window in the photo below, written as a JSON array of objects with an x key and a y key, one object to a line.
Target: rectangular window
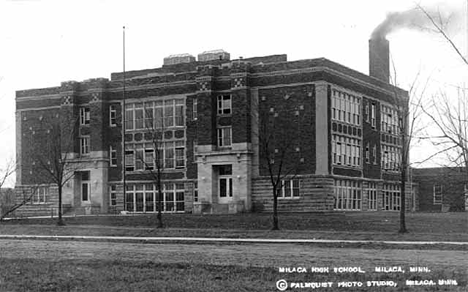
[
  {"x": 179, "y": 154},
  {"x": 374, "y": 154},
  {"x": 373, "y": 116},
  {"x": 129, "y": 160},
  {"x": 224, "y": 137},
  {"x": 139, "y": 116},
  {"x": 85, "y": 116},
  {"x": 169, "y": 155},
  {"x": 348, "y": 195},
  {"x": 224, "y": 104},
  {"x": 40, "y": 194},
  {"x": 129, "y": 117},
  {"x": 168, "y": 113},
  {"x": 438, "y": 195},
  {"x": 84, "y": 145},
  {"x": 112, "y": 115},
  {"x": 149, "y": 159},
  {"x": 85, "y": 186},
  {"x": 367, "y": 153},
  {"x": 391, "y": 197},
  {"x": 195, "y": 191},
  {"x": 290, "y": 188},
  {"x": 195, "y": 109},
  {"x": 113, "y": 195},
  {"x": 179, "y": 112},
  {"x": 149, "y": 116},
  {"x": 372, "y": 196},
  {"x": 113, "y": 156}
]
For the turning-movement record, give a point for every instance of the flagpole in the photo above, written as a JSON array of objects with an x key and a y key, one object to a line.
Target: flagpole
[{"x": 123, "y": 127}]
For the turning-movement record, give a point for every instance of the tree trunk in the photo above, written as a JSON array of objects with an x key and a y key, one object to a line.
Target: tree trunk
[
  {"x": 60, "y": 220},
  {"x": 160, "y": 197},
  {"x": 275, "y": 210},
  {"x": 403, "y": 199}
]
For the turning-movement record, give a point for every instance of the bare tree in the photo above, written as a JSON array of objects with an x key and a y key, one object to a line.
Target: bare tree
[
  {"x": 5, "y": 174},
  {"x": 152, "y": 158},
  {"x": 279, "y": 149},
  {"x": 53, "y": 153},
  {"x": 439, "y": 24},
  {"x": 409, "y": 111}
]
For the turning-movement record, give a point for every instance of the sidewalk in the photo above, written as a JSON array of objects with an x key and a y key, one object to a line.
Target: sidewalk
[{"x": 188, "y": 240}]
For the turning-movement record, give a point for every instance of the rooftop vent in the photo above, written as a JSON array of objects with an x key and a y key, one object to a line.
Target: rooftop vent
[
  {"x": 178, "y": 59},
  {"x": 213, "y": 55}
]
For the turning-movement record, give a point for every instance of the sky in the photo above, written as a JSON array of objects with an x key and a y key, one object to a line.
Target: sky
[{"x": 43, "y": 43}]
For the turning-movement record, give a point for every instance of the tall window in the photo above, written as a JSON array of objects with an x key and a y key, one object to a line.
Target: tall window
[
  {"x": 142, "y": 156},
  {"x": 112, "y": 115},
  {"x": 84, "y": 145},
  {"x": 346, "y": 108},
  {"x": 195, "y": 109},
  {"x": 113, "y": 195},
  {"x": 367, "y": 153},
  {"x": 40, "y": 195},
  {"x": 438, "y": 195},
  {"x": 113, "y": 156},
  {"x": 347, "y": 195},
  {"x": 346, "y": 151},
  {"x": 85, "y": 186},
  {"x": 224, "y": 136},
  {"x": 143, "y": 198},
  {"x": 372, "y": 196},
  {"x": 373, "y": 116},
  {"x": 391, "y": 158},
  {"x": 85, "y": 116},
  {"x": 224, "y": 104},
  {"x": 391, "y": 194},
  {"x": 290, "y": 188}
]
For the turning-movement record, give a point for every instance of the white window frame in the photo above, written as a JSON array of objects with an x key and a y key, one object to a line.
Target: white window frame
[
  {"x": 348, "y": 195},
  {"x": 224, "y": 108},
  {"x": 195, "y": 109},
  {"x": 438, "y": 194},
  {"x": 85, "y": 116},
  {"x": 112, "y": 156},
  {"x": 112, "y": 115},
  {"x": 85, "y": 145},
  {"x": 290, "y": 189},
  {"x": 223, "y": 139},
  {"x": 113, "y": 195},
  {"x": 373, "y": 116}
]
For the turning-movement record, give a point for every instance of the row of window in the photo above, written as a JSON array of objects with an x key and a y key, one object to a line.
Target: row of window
[
  {"x": 157, "y": 114},
  {"x": 391, "y": 158},
  {"x": 346, "y": 151},
  {"x": 389, "y": 120},
  {"x": 142, "y": 156},
  {"x": 348, "y": 196},
  {"x": 144, "y": 198},
  {"x": 346, "y": 108},
  {"x": 392, "y": 197},
  {"x": 154, "y": 115}
]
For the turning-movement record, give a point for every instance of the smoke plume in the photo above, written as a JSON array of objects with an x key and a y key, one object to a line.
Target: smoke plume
[{"x": 448, "y": 17}]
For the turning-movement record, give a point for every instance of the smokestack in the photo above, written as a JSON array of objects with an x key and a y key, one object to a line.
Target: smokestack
[{"x": 379, "y": 58}]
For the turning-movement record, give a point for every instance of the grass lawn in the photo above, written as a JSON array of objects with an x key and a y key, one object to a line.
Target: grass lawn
[
  {"x": 23, "y": 275},
  {"x": 100, "y": 266},
  {"x": 327, "y": 225}
]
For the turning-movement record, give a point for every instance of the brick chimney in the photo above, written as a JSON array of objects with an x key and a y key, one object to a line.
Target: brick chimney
[{"x": 379, "y": 58}]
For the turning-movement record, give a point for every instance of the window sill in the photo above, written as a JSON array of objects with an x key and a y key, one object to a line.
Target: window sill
[{"x": 289, "y": 198}]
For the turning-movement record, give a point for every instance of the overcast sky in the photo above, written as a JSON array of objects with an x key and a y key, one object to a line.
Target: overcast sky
[{"x": 43, "y": 43}]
